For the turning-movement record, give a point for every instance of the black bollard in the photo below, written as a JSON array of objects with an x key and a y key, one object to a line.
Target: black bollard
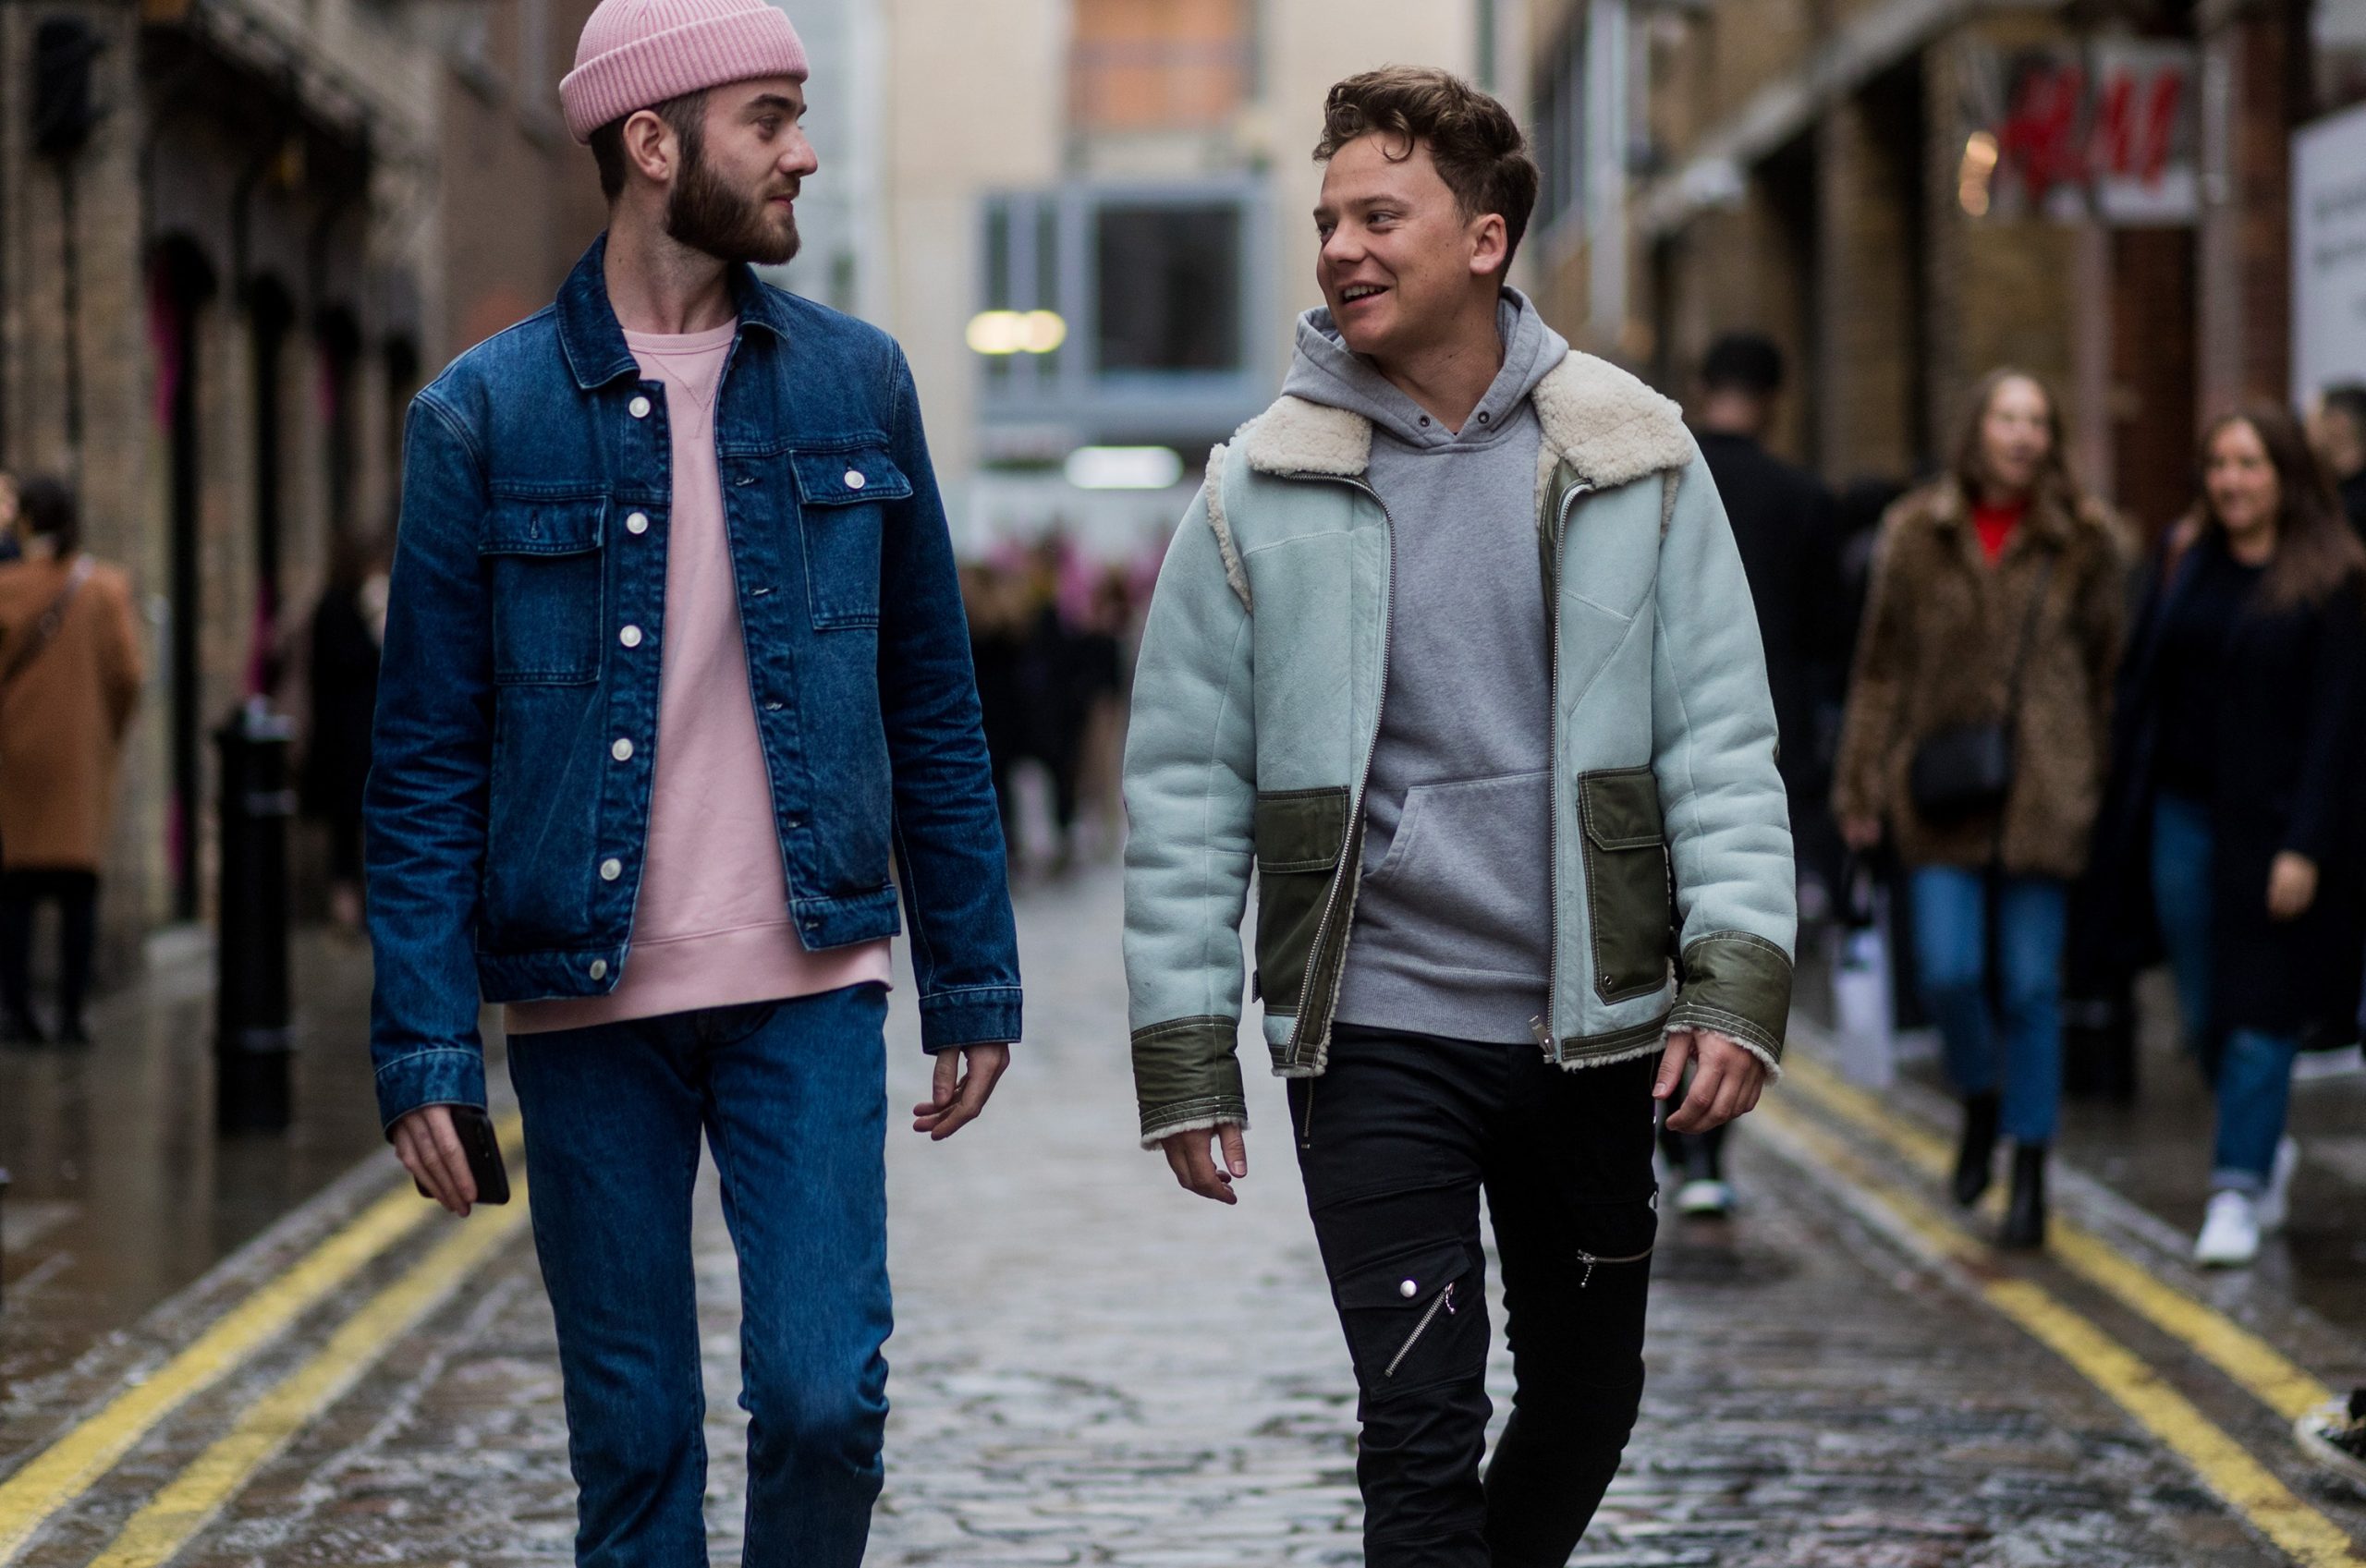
[{"x": 252, "y": 1036}]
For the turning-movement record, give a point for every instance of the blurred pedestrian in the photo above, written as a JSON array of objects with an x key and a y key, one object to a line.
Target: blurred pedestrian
[
  {"x": 2341, "y": 442},
  {"x": 676, "y": 703},
  {"x": 2232, "y": 818},
  {"x": 70, "y": 668},
  {"x": 349, "y": 625},
  {"x": 12, "y": 546},
  {"x": 1975, "y": 734},
  {"x": 1469, "y": 894},
  {"x": 1783, "y": 524}
]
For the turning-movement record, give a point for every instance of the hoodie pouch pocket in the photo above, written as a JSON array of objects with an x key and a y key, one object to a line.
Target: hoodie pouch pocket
[
  {"x": 1629, "y": 895},
  {"x": 542, "y": 559},
  {"x": 1300, "y": 835}
]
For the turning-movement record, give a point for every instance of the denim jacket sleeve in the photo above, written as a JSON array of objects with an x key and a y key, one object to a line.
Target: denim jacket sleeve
[
  {"x": 948, "y": 830},
  {"x": 430, "y": 757}
]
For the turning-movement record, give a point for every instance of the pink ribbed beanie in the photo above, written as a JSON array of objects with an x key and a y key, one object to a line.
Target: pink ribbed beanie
[{"x": 638, "y": 53}]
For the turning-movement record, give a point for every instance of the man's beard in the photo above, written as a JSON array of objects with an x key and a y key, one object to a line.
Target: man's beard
[{"x": 707, "y": 215}]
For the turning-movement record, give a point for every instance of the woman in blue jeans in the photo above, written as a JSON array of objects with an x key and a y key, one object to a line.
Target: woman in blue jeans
[
  {"x": 1994, "y": 613},
  {"x": 2231, "y": 835}
]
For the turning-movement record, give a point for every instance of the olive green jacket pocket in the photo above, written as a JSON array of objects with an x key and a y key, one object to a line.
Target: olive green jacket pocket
[
  {"x": 1300, "y": 835},
  {"x": 1629, "y": 902}
]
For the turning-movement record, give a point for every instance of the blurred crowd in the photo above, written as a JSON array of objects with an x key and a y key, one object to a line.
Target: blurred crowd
[
  {"x": 1053, "y": 633},
  {"x": 2034, "y": 748}
]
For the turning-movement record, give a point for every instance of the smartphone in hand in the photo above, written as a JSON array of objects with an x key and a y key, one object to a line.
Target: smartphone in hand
[{"x": 483, "y": 1151}]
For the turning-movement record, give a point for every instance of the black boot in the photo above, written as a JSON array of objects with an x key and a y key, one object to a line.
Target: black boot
[
  {"x": 1976, "y": 1155},
  {"x": 2025, "y": 1215}
]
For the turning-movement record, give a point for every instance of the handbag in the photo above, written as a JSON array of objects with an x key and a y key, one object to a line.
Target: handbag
[{"x": 1966, "y": 771}]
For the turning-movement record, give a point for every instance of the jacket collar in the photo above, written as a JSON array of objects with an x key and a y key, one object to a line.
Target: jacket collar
[
  {"x": 594, "y": 342},
  {"x": 1609, "y": 426}
]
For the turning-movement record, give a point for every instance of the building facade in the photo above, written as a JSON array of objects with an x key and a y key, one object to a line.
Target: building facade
[
  {"x": 1137, "y": 236},
  {"x": 234, "y": 237},
  {"x": 1906, "y": 193}
]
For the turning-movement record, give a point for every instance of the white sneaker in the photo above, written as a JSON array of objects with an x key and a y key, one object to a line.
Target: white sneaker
[
  {"x": 2229, "y": 1236},
  {"x": 2277, "y": 1202},
  {"x": 1704, "y": 1198}
]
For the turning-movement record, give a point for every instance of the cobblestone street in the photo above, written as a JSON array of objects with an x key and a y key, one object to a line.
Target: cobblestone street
[{"x": 1093, "y": 1368}]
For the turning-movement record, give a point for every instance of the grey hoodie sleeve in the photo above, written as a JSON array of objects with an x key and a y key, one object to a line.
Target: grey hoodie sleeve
[
  {"x": 1727, "y": 820},
  {"x": 1191, "y": 804}
]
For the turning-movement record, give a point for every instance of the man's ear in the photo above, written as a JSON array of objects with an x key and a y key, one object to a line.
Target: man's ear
[
  {"x": 1490, "y": 242},
  {"x": 650, "y": 147}
]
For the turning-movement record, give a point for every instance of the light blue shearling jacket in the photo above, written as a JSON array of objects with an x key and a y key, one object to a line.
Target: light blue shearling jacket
[{"x": 1258, "y": 698}]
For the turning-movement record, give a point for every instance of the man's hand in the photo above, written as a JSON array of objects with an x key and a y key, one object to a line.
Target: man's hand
[
  {"x": 1188, "y": 1157},
  {"x": 959, "y": 1089},
  {"x": 1726, "y": 1079},
  {"x": 430, "y": 1149},
  {"x": 2291, "y": 886}
]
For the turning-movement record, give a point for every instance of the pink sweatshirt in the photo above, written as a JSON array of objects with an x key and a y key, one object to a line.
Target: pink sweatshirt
[{"x": 711, "y": 926}]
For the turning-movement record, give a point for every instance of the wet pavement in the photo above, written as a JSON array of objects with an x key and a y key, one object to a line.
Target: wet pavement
[
  {"x": 1090, "y": 1366},
  {"x": 122, "y": 1193}
]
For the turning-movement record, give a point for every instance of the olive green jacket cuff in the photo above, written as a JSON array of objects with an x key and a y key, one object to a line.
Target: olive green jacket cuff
[
  {"x": 1738, "y": 985},
  {"x": 1186, "y": 1077}
]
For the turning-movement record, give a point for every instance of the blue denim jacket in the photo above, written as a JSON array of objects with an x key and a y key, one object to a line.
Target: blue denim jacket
[{"x": 525, "y": 633}]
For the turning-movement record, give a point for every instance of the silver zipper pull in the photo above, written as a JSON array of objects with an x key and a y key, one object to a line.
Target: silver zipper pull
[
  {"x": 1588, "y": 1277},
  {"x": 1449, "y": 1299},
  {"x": 1544, "y": 1035}
]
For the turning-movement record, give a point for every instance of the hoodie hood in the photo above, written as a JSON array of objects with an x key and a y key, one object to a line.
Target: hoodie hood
[{"x": 1326, "y": 372}]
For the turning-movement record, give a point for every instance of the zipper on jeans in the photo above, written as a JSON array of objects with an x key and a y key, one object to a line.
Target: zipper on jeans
[
  {"x": 1590, "y": 1259},
  {"x": 1445, "y": 1302},
  {"x": 1538, "y": 1027},
  {"x": 1363, "y": 781},
  {"x": 1306, "y": 1126}
]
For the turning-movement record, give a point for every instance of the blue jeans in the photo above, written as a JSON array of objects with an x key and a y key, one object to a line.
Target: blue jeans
[
  {"x": 2250, "y": 1069},
  {"x": 791, "y": 1096},
  {"x": 1951, "y": 949}
]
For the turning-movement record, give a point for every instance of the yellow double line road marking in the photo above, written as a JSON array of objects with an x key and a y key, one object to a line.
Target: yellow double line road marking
[
  {"x": 2258, "y": 1368},
  {"x": 157, "y": 1532},
  {"x": 67, "y": 1467},
  {"x": 2308, "y": 1536}
]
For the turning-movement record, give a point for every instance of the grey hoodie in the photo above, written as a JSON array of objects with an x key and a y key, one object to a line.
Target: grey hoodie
[{"x": 1453, "y": 928}]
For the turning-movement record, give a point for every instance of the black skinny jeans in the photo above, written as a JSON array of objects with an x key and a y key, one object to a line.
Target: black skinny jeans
[
  {"x": 76, "y": 895},
  {"x": 1397, "y": 1140}
]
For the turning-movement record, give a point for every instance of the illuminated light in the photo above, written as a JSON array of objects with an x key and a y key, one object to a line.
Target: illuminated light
[
  {"x": 1980, "y": 157},
  {"x": 1015, "y": 332},
  {"x": 1123, "y": 468},
  {"x": 998, "y": 332},
  {"x": 1045, "y": 331}
]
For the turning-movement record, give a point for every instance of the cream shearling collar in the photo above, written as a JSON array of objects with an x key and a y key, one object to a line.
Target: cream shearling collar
[{"x": 1611, "y": 428}]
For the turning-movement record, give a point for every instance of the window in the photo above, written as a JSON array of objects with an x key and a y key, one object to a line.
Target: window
[
  {"x": 1560, "y": 119},
  {"x": 1158, "y": 64},
  {"x": 1137, "y": 300},
  {"x": 1168, "y": 283}
]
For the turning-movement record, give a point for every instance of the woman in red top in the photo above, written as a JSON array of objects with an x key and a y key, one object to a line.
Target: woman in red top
[{"x": 1975, "y": 741}]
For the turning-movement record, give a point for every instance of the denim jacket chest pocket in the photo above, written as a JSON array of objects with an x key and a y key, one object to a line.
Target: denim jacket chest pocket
[
  {"x": 842, "y": 494},
  {"x": 542, "y": 558}
]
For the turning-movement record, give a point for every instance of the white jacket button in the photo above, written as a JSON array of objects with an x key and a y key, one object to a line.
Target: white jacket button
[
  {"x": 599, "y": 968},
  {"x": 855, "y": 480},
  {"x": 637, "y": 523},
  {"x": 622, "y": 751},
  {"x": 629, "y": 636},
  {"x": 1408, "y": 1289},
  {"x": 610, "y": 869},
  {"x": 638, "y": 408}
]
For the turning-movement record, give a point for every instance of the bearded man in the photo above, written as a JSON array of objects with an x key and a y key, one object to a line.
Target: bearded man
[{"x": 675, "y": 666}]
